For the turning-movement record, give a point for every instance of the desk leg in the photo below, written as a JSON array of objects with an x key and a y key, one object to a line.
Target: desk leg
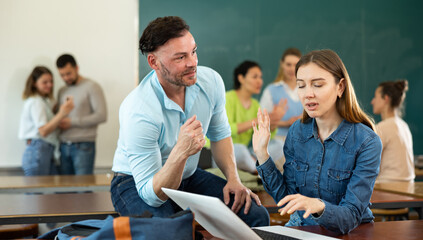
[{"x": 420, "y": 212}]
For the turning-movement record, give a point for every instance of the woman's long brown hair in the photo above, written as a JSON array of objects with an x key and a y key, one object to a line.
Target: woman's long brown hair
[
  {"x": 30, "y": 89},
  {"x": 347, "y": 105}
]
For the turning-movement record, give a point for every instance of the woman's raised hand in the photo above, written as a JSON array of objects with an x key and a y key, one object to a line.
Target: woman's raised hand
[
  {"x": 261, "y": 136},
  {"x": 277, "y": 113}
]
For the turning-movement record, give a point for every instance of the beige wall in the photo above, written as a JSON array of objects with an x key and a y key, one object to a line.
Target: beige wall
[{"x": 101, "y": 34}]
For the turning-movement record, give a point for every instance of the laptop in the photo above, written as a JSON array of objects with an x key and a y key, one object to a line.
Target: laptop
[{"x": 221, "y": 222}]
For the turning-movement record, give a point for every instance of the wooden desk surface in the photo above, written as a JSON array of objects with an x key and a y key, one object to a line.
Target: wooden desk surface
[
  {"x": 379, "y": 197},
  {"x": 403, "y": 230},
  {"x": 25, "y": 208},
  {"x": 55, "y": 183},
  {"x": 414, "y": 189},
  {"x": 418, "y": 172}
]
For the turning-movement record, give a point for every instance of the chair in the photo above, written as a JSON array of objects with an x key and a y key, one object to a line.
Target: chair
[
  {"x": 391, "y": 214},
  {"x": 18, "y": 231},
  {"x": 205, "y": 160}
]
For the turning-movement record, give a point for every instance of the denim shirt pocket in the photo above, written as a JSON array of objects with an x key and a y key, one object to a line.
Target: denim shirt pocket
[
  {"x": 338, "y": 181},
  {"x": 300, "y": 173}
]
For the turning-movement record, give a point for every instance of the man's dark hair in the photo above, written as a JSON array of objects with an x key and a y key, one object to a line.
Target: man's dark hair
[
  {"x": 159, "y": 31},
  {"x": 64, "y": 60}
]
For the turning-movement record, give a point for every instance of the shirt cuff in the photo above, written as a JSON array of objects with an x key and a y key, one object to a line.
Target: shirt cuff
[
  {"x": 266, "y": 168},
  {"x": 148, "y": 195},
  {"x": 316, "y": 216}
]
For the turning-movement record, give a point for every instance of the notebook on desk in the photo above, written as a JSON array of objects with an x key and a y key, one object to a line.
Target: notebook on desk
[{"x": 221, "y": 222}]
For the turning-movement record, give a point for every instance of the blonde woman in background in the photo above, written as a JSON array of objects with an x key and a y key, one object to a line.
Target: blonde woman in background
[
  {"x": 397, "y": 162},
  {"x": 284, "y": 87},
  {"x": 38, "y": 124}
]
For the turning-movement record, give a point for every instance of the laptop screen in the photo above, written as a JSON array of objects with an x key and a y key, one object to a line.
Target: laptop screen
[{"x": 221, "y": 222}]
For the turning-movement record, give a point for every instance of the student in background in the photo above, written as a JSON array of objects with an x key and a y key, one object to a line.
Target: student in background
[
  {"x": 397, "y": 162},
  {"x": 284, "y": 87},
  {"x": 332, "y": 154},
  {"x": 79, "y": 129},
  {"x": 38, "y": 124},
  {"x": 242, "y": 108}
]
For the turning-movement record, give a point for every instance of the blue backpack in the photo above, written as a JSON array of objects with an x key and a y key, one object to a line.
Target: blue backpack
[{"x": 177, "y": 226}]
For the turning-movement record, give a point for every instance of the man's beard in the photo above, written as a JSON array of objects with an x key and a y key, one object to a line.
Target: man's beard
[
  {"x": 73, "y": 83},
  {"x": 176, "y": 80}
]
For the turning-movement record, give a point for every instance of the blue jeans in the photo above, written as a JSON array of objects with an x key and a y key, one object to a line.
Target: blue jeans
[
  {"x": 127, "y": 202},
  {"x": 77, "y": 158},
  {"x": 38, "y": 158}
]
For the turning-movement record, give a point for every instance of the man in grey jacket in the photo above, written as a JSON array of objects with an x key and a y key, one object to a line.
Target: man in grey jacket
[{"x": 79, "y": 129}]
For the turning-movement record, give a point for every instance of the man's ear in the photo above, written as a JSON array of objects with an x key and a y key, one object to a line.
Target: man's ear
[{"x": 153, "y": 61}]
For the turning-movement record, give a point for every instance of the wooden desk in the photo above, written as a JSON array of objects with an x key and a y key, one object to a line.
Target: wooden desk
[
  {"x": 379, "y": 199},
  {"x": 389, "y": 200},
  {"x": 413, "y": 189},
  {"x": 419, "y": 174},
  {"x": 24, "y": 208},
  {"x": 403, "y": 230},
  {"x": 56, "y": 183},
  {"x": 267, "y": 201}
]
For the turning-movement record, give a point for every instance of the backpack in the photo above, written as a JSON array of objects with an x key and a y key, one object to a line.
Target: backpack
[{"x": 177, "y": 226}]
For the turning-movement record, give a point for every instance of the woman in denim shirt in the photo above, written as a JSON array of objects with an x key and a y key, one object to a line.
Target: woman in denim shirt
[{"x": 332, "y": 154}]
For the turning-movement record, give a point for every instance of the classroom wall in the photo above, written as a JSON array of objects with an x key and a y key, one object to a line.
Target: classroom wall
[
  {"x": 378, "y": 40},
  {"x": 101, "y": 34}
]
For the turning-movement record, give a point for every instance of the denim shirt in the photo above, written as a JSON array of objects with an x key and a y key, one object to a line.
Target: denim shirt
[{"x": 341, "y": 172}]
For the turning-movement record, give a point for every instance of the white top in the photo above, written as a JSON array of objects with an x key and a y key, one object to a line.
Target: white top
[
  {"x": 37, "y": 112},
  {"x": 397, "y": 162},
  {"x": 271, "y": 97},
  {"x": 266, "y": 101}
]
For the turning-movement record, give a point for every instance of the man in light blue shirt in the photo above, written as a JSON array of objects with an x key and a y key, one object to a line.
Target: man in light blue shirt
[{"x": 162, "y": 127}]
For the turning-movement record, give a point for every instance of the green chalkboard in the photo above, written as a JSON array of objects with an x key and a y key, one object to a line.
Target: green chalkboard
[{"x": 378, "y": 40}]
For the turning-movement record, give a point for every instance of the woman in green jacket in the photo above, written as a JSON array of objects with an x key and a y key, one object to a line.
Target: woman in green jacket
[{"x": 242, "y": 108}]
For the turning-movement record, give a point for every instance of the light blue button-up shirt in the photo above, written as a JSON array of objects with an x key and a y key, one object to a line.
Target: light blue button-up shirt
[
  {"x": 341, "y": 172},
  {"x": 150, "y": 124}
]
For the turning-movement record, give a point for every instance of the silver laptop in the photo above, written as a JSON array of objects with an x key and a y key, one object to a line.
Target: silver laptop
[{"x": 221, "y": 222}]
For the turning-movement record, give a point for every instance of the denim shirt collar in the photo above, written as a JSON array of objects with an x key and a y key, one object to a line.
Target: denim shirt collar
[{"x": 339, "y": 135}]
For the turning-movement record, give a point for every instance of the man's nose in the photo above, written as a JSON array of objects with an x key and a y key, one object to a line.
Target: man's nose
[{"x": 192, "y": 61}]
